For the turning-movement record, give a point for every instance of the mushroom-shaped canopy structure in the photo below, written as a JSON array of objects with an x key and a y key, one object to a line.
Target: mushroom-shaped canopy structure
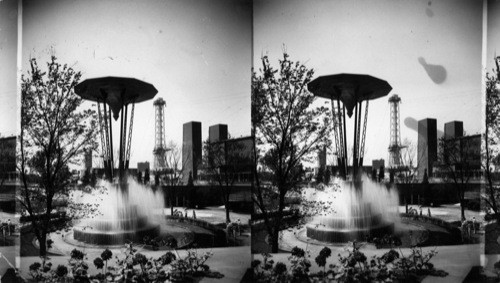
[
  {"x": 115, "y": 91},
  {"x": 349, "y": 88}
]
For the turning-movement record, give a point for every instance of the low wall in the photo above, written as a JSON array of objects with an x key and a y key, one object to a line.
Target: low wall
[
  {"x": 455, "y": 236},
  {"x": 219, "y": 238}
]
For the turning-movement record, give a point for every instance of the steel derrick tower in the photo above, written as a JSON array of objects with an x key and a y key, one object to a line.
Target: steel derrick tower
[
  {"x": 395, "y": 146},
  {"x": 160, "y": 147}
]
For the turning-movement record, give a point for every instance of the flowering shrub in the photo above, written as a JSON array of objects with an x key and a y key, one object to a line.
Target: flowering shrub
[
  {"x": 131, "y": 266},
  {"x": 354, "y": 266}
]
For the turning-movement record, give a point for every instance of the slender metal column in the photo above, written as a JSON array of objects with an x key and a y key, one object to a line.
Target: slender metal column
[
  {"x": 355, "y": 144},
  {"x": 111, "y": 161},
  {"x": 108, "y": 144},
  {"x": 120, "y": 159},
  {"x": 131, "y": 125},
  {"x": 346, "y": 159},
  {"x": 341, "y": 152},
  {"x": 124, "y": 141},
  {"x": 363, "y": 138},
  {"x": 358, "y": 137},
  {"x": 335, "y": 132}
]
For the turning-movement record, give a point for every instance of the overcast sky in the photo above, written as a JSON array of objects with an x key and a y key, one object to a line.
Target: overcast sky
[
  {"x": 196, "y": 53},
  {"x": 8, "y": 67},
  {"x": 493, "y": 36},
  {"x": 429, "y": 51}
]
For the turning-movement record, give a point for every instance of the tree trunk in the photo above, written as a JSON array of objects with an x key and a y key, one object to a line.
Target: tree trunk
[
  {"x": 225, "y": 200},
  {"x": 42, "y": 241},
  {"x": 277, "y": 222},
  {"x": 462, "y": 206},
  {"x": 171, "y": 206},
  {"x": 275, "y": 240},
  {"x": 228, "y": 220}
]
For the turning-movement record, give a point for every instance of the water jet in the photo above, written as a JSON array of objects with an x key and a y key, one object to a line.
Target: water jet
[
  {"x": 356, "y": 217},
  {"x": 125, "y": 219}
]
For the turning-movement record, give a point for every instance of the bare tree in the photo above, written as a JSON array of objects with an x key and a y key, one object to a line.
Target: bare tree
[
  {"x": 407, "y": 173},
  {"x": 173, "y": 172},
  {"x": 456, "y": 161},
  {"x": 223, "y": 161}
]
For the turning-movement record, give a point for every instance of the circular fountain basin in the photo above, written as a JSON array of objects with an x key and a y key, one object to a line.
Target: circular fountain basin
[
  {"x": 126, "y": 226},
  {"x": 358, "y": 221},
  {"x": 119, "y": 237},
  {"x": 337, "y": 235}
]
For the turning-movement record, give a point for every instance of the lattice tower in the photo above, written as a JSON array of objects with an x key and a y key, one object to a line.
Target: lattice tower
[
  {"x": 160, "y": 147},
  {"x": 395, "y": 158}
]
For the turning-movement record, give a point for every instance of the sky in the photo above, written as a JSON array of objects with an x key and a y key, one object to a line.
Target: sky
[
  {"x": 428, "y": 51},
  {"x": 196, "y": 53},
  {"x": 493, "y": 35},
  {"x": 8, "y": 69}
]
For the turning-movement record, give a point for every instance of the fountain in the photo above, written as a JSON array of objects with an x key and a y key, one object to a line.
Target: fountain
[
  {"x": 130, "y": 217},
  {"x": 358, "y": 211},
  {"x": 370, "y": 211},
  {"x": 127, "y": 215}
]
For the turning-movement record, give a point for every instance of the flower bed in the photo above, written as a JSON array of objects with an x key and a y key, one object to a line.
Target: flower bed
[
  {"x": 130, "y": 266},
  {"x": 353, "y": 266}
]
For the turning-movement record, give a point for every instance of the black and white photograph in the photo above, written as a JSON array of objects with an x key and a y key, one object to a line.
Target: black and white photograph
[
  {"x": 367, "y": 119},
  {"x": 491, "y": 61},
  {"x": 249, "y": 141},
  {"x": 135, "y": 148},
  {"x": 9, "y": 219}
]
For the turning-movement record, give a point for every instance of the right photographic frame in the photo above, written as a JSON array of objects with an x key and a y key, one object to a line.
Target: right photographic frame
[{"x": 376, "y": 132}]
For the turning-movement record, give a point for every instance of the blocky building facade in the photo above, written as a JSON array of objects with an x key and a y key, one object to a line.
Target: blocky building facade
[
  {"x": 191, "y": 150},
  {"x": 377, "y": 164},
  {"x": 453, "y": 129},
  {"x": 217, "y": 133},
  {"x": 142, "y": 166},
  {"x": 427, "y": 146}
]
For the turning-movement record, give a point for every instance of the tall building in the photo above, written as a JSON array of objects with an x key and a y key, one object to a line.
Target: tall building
[
  {"x": 453, "y": 129},
  {"x": 377, "y": 164},
  {"x": 236, "y": 155},
  {"x": 191, "y": 150},
  {"x": 217, "y": 133},
  {"x": 142, "y": 166},
  {"x": 8, "y": 170},
  {"x": 427, "y": 146}
]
